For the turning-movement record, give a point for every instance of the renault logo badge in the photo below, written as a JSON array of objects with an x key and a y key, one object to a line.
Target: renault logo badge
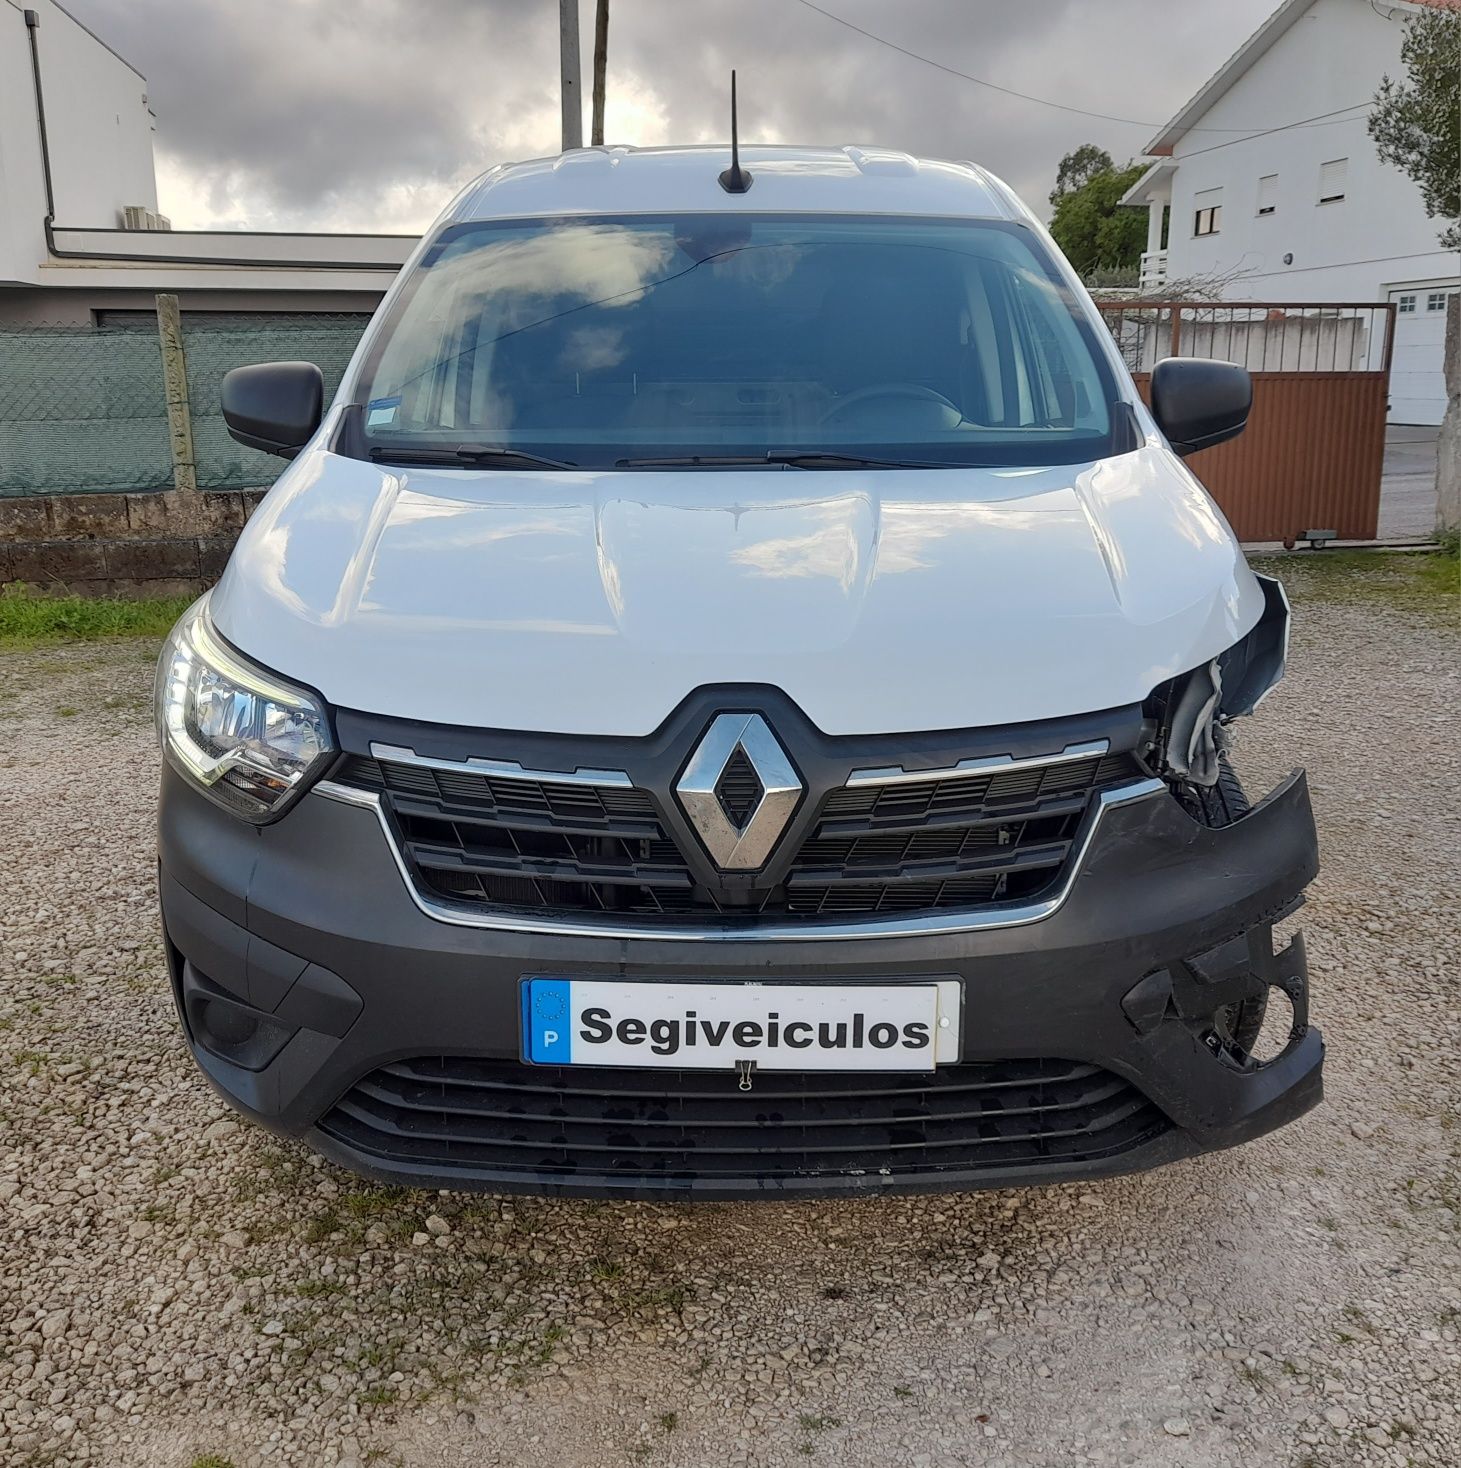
[{"x": 739, "y": 791}]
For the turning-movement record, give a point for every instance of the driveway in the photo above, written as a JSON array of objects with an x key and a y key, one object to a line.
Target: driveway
[
  {"x": 1408, "y": 485},
  {"x": 181, "y": 1291}
]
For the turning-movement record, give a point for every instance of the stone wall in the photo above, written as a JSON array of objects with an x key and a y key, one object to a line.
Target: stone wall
[
  {"x": 1448, "y": 447},
  {"x": 164, "y": 543}
]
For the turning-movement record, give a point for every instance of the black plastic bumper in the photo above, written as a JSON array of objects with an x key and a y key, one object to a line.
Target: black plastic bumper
[{"x": 301, "y": 964}]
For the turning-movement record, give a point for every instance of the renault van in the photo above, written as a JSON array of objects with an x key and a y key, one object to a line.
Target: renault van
[{"x": 730, "y": 699}]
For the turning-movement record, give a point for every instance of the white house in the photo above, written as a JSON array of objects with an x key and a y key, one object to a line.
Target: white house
[
  {"x": 80, "y": 235},
  {"x": 1268, "y": 184}
]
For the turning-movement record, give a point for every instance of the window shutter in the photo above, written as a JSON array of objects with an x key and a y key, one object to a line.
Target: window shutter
[
  {"x": 1268, "y": 193},
  {"x": 1332, "y": 180}
]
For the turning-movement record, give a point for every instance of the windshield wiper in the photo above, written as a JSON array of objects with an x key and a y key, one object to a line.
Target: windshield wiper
[
  {"x": 467, "y": 456},
  {"x": 777, "y": 458},
  {"x": 819, "y": 459}
]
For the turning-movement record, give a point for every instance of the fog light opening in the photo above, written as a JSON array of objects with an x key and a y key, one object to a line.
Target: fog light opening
[
  {"x": 229, "y": 1028},
  {"x": 1276, "y": 1033}
]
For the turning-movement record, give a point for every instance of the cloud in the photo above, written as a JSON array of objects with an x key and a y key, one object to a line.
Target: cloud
[{"x": 310, "y": 114}]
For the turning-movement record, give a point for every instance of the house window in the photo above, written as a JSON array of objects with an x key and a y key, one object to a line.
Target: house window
[
  {"x": 1436, "y": 301},
  {"x": 1268, "y": 193},
  {"x": 1405, "y": 304},
  {"x": 1209, "y": 216},
  {"x": 1333, "y": 178}
]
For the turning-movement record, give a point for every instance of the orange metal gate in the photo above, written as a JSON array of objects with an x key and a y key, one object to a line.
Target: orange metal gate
[{"x": 1312, "y": 455}]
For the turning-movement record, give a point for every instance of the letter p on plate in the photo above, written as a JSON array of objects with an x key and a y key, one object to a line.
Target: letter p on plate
[{"x": 547, "y": 1023}]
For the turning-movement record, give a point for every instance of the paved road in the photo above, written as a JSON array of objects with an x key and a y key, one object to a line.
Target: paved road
[{"x": 1408, "y": 489}]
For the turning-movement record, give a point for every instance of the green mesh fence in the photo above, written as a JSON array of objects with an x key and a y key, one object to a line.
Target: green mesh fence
[
  {"x": 81, "y": 409},
  {"x": 214, "y": 347}
]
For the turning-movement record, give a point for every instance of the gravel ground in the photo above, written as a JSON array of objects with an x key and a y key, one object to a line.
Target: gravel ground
[{"x": 177, "y": 1289}]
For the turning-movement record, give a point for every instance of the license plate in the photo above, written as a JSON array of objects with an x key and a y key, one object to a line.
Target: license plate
[{"x": 779, "y": 1026}]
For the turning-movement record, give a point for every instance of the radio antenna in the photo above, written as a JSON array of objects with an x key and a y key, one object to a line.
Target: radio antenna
[{"x": 735, "y": 179}]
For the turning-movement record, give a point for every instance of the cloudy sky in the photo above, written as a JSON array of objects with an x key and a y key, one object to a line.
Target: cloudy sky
[{"x": 368, "y": 114}]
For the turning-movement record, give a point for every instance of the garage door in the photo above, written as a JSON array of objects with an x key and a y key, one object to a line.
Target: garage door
[{"x": 1417, "y": 374}]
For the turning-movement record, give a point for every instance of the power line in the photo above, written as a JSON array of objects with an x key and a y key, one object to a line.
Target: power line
[
  {"x": 1318, "y": 120},
  {"x": 980, "y": 81}
]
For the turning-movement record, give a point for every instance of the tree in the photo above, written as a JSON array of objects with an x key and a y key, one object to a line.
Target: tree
[
  {"x": 1416, "y": 123},
  {"x": 1090, "y": 223},
  {"x": 1077, "y": 169}
]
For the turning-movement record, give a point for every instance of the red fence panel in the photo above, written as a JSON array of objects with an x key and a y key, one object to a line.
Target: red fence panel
[{"x": 1313, "y": 453}]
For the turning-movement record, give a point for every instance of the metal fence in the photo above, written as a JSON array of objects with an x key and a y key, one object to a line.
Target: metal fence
[
  {"x": 83, "y": 408},
  {"x": 1313, "y": 453},
  {"x": 1261, "y": 336},
  {"x": 216, "y": 348}
]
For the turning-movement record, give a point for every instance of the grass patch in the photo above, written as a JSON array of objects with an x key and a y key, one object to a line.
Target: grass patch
[
  {"x": 321, "y": 1226},
  {"x": 1404, "y": 579},
  {"x": 212, "y": 1460},
  {"x": 27, "y": 619},
  {"x": 373, "y": 1202},
  {"x": 1253, "y": 1376},
  {"x": 313, "y": 1289}
]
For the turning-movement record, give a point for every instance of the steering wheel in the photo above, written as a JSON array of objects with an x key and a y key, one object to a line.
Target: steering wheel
[{"x": 891, "y": 392}]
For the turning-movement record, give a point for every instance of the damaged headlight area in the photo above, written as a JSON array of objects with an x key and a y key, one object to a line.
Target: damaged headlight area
[
  {"x": 1187, "y": 713},
  {"x": 246, "y": 738}
]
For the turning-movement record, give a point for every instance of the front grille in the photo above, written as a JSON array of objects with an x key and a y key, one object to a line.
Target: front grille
[
  {"x": 893, "y": 848},
  {"x": 543, "y": 1122},
  {"x": 904, "y": 847},
  {"x": 528, "y": 843}
]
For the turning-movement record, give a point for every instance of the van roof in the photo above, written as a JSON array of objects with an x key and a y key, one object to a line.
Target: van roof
[{"x": 622, "y": 180}]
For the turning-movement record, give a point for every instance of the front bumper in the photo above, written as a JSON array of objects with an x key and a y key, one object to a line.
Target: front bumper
[{"x": 301, "y": 966}]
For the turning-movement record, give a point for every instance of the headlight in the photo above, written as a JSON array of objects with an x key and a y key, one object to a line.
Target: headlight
[{"x": 247, "y": 739}]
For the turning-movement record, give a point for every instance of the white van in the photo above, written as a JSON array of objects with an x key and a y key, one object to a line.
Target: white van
[{"x": 729, "y": 700}]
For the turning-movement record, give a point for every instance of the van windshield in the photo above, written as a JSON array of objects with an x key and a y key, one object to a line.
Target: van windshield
[{"x": 636, "y": 340}]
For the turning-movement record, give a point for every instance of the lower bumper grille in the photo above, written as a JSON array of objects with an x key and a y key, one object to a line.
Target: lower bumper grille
[{"x": 505, "y": 1119}]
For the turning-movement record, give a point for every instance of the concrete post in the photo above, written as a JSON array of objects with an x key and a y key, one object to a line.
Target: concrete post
[
  {"x": 1448, "y": 446},
  {"x": 175, "y": 388}
]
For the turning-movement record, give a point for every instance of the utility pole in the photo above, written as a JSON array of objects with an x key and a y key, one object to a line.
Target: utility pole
[
  {"x": 572, "y": 78},
  {"x": 601, "y": 62}
]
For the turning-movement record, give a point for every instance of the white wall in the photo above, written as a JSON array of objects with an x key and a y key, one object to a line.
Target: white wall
[
  {"x": 99, "y": 124},
  {"x": 1332, "y": 58},
  {"x": 22, "y": 193},
  {"x": 99, "y": 127},
  {"x": 76, "y": 307}
]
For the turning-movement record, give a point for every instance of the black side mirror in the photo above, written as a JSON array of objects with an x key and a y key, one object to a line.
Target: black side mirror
[
  {"x": 1198, "y": 403},
  {"x": 274, "y": 406}
]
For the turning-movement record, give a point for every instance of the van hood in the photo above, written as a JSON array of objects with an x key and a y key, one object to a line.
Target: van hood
[{"x": 881, "y": 601}]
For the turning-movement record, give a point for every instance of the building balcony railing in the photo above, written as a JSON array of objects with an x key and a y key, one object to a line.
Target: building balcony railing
[{"x": 1153, "y": 271}]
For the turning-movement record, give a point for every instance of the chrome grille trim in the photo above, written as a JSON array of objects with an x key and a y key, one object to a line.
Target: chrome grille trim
[
  {"x": 991, "y": 764},
  {"x": 502, "y": 769},
  {"x": 997, "y": 915}
]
